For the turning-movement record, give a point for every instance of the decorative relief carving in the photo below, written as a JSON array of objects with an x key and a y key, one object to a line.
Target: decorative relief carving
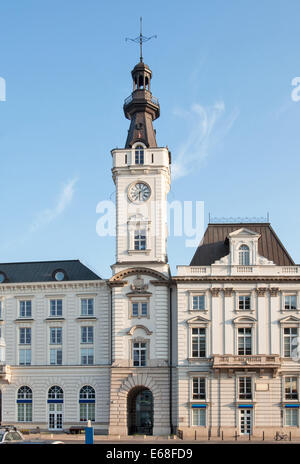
[
  {"x": 274, "y": 291},
  {"x": 261, "y": 291},
  {"x": 228, "y": 291},
  {"x": 215, "y": 291},
  {"x": 138, "y": 285}
]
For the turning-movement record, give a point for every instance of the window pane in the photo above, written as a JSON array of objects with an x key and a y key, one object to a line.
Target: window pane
[
  {"x": 199, "y": 302},
  {"x": 198, "y": 417}
]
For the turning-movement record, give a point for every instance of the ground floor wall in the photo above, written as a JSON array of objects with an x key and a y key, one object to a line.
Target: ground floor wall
[
  {"x": 67, "y": 408},
  {"x": 223, "y": 412}
]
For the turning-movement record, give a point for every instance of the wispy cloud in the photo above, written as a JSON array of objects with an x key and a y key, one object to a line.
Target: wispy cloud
[
  {"x": 48, "y": 215},
  {"x": 208, "y": 126}
]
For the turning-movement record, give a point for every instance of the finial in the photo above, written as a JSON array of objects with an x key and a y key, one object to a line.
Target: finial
[{"x": 140, "y": 39}]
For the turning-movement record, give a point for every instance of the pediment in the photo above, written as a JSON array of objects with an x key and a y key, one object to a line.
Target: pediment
[
  {"x": 243, "y": 232},
  {"x": 289, "y": 320},
  {"x": 244, "y": 320},
  {"x": 139, "y": 326},
  {"x": 198, "y": 320}
]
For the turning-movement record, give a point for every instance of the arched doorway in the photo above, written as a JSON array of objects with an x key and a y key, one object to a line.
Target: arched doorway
[{"x": 140, "y": 411}]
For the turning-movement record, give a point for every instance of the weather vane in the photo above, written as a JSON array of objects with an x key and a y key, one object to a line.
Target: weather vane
[{"x": 140, "y": 39}]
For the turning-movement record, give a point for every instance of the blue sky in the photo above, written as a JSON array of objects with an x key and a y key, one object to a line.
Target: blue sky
[{"x": 222, "y": 72}]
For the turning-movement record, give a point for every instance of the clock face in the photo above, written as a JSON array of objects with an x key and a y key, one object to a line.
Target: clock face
[{"x": 139, "y": 192}]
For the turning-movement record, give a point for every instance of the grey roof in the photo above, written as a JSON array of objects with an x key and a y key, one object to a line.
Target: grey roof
[
  {"x": 215, "y": 244},
  {"x": 43, "y": 271}
]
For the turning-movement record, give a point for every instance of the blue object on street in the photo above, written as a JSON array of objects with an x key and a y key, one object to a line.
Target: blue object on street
[{"x": 89, "y": 435}]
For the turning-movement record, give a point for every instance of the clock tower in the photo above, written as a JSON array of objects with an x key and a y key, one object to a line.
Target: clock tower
[
  {"x": 141, "y": 372},
  {"x": 141, "y": 173}
]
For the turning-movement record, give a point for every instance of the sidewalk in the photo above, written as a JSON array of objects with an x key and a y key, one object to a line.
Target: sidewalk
[{"x": 138, "y": 439}]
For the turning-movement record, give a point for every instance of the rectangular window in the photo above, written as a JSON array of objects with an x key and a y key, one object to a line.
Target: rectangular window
[
  {"x": 56, "y": 356},
  {"x": 87, "y": 412},
  {"x": 24, "y": 357},
  {"x": 25, "y": 336},
  {"x": 139, "y": 309},
  {"x": 290, "y": 302},
  {"x": 87, "y": 356},
  {"x": 87, "y": 306},
  {"x": 55, "y": 335},
  {"x": 244, "y": 341},
  {"x": 291, "y": 417},
  {"x": 140, "y": 239},
  {"x": 25, "y": 308},
  {"x": 198, "y": 343},
  {"x": 55, "y": 308},
  {"x": 87, "y": 334},
  {"x": 290, "y": 335},
  {"x": 290, "y": 388},
  {"x": 139, "y": 155},
  {"x": 245, "y": 388},
  {"x": 244, "y": 302},
  {"x": 199, "y": 417},
  {"x": 139, "y": 354},
  {"x": 199, "y": 392},
  {"x": 24, "y": 412},
  {"x": 198, "y": 302}
]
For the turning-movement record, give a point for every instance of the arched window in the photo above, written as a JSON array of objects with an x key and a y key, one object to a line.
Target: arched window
[
  {"x": 55, "y": 393},
  {"x": 87, "y": 400},
  {"x": 24, "y": 404},
  {"x": 244, "y": 255},
  {"x": 139, "y": 154}
]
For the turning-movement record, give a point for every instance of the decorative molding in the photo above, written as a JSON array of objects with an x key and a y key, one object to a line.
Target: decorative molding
[
  {"x": 138, "y": 270},
  {"x": 274, "y": 291},
  {"x": 139, "y": 326},
  {"x": 215, "y": 291},
  {"x": 261, "y": 291},
  {"x": 228, "y": 291}
]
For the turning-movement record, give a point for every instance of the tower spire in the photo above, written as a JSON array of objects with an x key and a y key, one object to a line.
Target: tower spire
[
  {"x": 141, "y": 38},
  {"x": 141, "y": 107}
]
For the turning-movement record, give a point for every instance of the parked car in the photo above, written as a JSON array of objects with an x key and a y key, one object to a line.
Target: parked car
[{"x": 10, "y": 435}]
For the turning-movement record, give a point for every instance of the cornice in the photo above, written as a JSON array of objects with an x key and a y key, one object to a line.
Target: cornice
[
  {"x": 264, "y": 279},
  {"x": 24, "y": 286}
]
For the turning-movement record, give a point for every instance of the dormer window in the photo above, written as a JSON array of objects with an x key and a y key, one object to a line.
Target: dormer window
[
  {"x": 139, "y": 154},
  {"x": 244, "y": 255}
]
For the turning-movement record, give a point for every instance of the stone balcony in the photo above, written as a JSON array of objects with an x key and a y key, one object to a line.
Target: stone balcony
[
  {"x": 5, "y": 373},
  {"x": 249, "y": 362}
]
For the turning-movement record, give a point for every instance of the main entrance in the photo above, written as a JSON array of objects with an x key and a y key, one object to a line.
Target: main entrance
[{"x": 140, "y": 411}]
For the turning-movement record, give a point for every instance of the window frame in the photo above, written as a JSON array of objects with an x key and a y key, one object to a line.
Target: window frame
[
  {"x": 247, "y": 393},
  {"x": 200, "y": 412},
  {"x": 245, "y": 337},
  {"x": 200, "y": 379},
  {"x": 289, "y": 295},
  {"x": 139, "y": 155},
  {"x": 140, "y": 302},
  {"x": 27, "y": 312},
  {"x": 244, "y": 255},
  {"x": 56, "y": 312},
  {"x": 24, "y": 404},
  {"x": 87, "y": 354},
  {"x": 139, "y": 350},
  {"x": 288, "y": 396},
  {"x": 199, "y": 336},
  {"x": 87, "y": 313},
  {"x": 291, "y": 337},
  {"x": 291, "y": 411}
]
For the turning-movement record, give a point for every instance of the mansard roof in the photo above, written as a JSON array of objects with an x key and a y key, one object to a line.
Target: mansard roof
[
  {"x": 44, "y": 271},
  {"x": 215, "y": 244}
]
